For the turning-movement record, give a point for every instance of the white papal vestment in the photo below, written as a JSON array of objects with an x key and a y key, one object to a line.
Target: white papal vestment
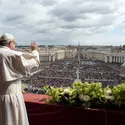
[{"x": 13, "y": 66}]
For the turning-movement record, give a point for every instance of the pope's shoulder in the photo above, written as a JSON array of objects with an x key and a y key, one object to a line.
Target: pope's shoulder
[{"x": 9, "y": 52}]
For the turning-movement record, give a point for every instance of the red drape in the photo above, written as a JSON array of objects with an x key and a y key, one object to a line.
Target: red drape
[{"x": 41, "y": 113}]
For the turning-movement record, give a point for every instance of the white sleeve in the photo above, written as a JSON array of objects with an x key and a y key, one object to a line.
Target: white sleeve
[
  {"x": 15, "y": 65},
  {"x": 35, "y": 53},
  {"x": 30, "y": 61}
]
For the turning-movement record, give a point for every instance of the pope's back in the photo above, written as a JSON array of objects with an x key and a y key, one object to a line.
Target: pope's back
[{"x": 13, "y": 66}]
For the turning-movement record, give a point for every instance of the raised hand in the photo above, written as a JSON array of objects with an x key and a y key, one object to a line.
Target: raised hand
[{"x": 34, "y": 46}]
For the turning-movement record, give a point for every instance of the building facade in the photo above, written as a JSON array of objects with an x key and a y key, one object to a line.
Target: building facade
[
  {"x": 53, "y": 55},
  {"x": 115, "y": 58},
  {"x": 108, "y": 57}
]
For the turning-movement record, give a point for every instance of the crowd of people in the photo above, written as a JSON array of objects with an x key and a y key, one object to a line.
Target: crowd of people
[{"x": 64, "y": 72}]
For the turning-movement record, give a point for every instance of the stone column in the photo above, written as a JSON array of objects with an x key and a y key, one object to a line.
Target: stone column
[
  {"x": 49, "y": 57},
  {"x": 110, "y": 59},
  {"x": 105, "y": 59},
  {"x": 53, "y": 58},
  {"x": 117, "y": 59}
]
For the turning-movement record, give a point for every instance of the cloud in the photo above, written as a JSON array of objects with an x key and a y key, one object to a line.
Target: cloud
[
  {"x": 64, "y": 21},
  {"x": 48, "y": 2}
]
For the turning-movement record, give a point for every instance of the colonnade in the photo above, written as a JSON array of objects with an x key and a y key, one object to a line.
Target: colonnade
[
  {"x": 114, "y": 59},
  {"x": 47, "y": 58}
]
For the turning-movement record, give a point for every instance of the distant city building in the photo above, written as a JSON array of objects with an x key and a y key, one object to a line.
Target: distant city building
[
  {"x": 56, "y": 54},
  {"x": 107, "y": 54}
]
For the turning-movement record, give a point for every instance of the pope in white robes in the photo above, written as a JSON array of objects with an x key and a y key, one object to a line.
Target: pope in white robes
[{"x": 13, "y": 66}]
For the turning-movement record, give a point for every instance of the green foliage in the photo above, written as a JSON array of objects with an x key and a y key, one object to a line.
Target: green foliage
[
  {"x": 87, "y": 95},
  {"x": 22, "y": 86},
  {"x": 119, "y": 94}
]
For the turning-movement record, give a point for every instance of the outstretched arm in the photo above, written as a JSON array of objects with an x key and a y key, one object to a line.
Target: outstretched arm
[{"x": 23, "y": 62}]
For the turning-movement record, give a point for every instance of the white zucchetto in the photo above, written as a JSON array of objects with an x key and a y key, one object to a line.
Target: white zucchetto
[{"x": 7, "y": 37}]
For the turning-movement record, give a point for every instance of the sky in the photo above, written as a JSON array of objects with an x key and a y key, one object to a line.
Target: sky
[{"x": 64, "y": 22}]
